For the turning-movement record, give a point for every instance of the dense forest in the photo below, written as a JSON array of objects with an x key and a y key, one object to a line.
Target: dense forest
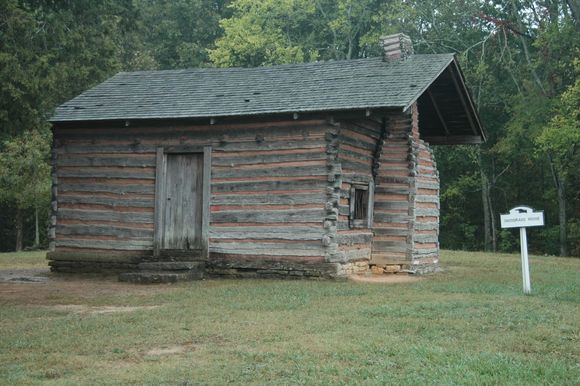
[{"x": 521, "y": 59}]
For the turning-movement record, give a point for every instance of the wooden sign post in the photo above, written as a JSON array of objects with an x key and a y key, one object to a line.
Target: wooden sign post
[{"x": 523, "y": 217}]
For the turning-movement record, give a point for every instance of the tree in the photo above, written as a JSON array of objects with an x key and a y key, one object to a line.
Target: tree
[
  {"x": 20, "y": 85},
  {"x": 175, "y": 34},
  {"x": 25, "y": 177},
  {"x": 291, "y": 31},
  {"x": 548, "y": 43},
  {"x": 560, "y": 141},
  {"x": 266, "y": 32}
]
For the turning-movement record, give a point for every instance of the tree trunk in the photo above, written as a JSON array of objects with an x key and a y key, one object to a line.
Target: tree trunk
[
  {"x": 515, "y": 13},
  {"x": 574, "y": 6},
  {"x": 36, "y": 229},
  {"x": 559, "y": 184},
  {"x": 485, "y": 200},
  {"x": 492, "y": 224},
  {"x": 486, "y": 212},
  {"x": 19, "y": 230},
  {"x": 562, "y": 218}
]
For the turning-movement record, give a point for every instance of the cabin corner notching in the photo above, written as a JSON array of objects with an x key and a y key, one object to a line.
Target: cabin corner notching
[{"x": 322, "y": 184}]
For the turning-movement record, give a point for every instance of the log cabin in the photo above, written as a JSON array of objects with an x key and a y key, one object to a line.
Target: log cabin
[{"x": 303, "y": 170}]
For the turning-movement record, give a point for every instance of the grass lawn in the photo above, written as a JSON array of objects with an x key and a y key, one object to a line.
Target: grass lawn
[
  {"x": 470, "y": 324},
  {"x": 20, "y": 260}
]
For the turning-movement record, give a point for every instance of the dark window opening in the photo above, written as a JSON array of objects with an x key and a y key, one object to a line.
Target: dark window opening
[{"x": 361, "y": 204}]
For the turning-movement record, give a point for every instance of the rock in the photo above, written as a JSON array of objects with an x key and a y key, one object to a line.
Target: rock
[{"x": 377, "y": 270}]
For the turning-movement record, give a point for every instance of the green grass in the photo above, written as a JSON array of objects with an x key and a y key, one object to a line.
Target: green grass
[
  {"x": 33, "y": 259},
  {"x": 470, "y": 324}
]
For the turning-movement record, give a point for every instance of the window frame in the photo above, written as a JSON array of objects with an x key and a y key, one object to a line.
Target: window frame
[{"x": 368, "y": 220}]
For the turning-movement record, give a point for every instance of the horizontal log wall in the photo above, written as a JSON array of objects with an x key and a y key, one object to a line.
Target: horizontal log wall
[
  {"x": 393, "y": 225},
  {"x": 358, "y": 141},
  {"x": 280, "y": 194},
  {"x": 269, "y": 191},
  {"x": 268, "y": 198},
  {"x": 425, "y": 205}
]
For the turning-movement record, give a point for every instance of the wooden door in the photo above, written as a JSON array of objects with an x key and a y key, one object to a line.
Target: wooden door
[{"x": 182, "y": 198}]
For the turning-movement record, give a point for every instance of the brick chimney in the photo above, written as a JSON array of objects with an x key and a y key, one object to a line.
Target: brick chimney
[{"x": 396, "y": 47}]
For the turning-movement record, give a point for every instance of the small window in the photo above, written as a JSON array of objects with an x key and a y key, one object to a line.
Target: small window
[{"x": 361, "y": 202}]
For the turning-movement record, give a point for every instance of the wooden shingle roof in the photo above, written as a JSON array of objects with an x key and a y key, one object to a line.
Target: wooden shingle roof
[{"x": 341, "y": 85}]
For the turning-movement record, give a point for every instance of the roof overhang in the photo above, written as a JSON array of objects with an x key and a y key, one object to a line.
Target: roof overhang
[{"x": 447, "y": 114}]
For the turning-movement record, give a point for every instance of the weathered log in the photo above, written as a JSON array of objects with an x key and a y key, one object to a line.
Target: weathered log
[
  {"x": 107, "y": 173},
  {"x": 266, "y": 216},
  {"x": 354, "y": 238},
  {"x": 418, "y": 238},
  {"x": 267, "y": 172},
  {"x": 82, "y": 214},
  {"x": 105, "y": 244},
  {"x": 390, "y": 232},
  {"x": 387, "y": 205},
  {"x": 391, "y": 218},
  {"x": 92, "y": 256},
  {"x": 422, "y": 212},
  {"x": 107, "y": 161},
  {"x": 357, "y": 143},
  {"x": 261, "y": 232},
  {"x": 97, "y": 188},
  {"x": 102, "y": 230},
  {"x": 356, "y": 167},
  {"x": 271, "y": 145},
  {"x": 304, "y": 128},
  {"x": 267, "y": 249},
  {"x": 107, "y": 201},
  {"x": 269, "y": 158},
  {"x": 270, "y": 199},
  {"x": 258, "y": 186},
  {"x": 362, "y": 156}
]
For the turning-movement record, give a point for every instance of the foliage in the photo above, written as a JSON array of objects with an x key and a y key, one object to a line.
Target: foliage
[
  {"x": 265, "y": 32},
  {"x": 561, "y": 136},
  {"x": 175, "y": 34},
  {"x": 520, "y": 60},
  {"x": 292, "y": 31},
  {"x": 25, "y": 171},
  {"x": 20, "y": 79}
]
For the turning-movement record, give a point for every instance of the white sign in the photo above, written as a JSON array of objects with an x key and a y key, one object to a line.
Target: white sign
[{"x": 522, "y": 216}]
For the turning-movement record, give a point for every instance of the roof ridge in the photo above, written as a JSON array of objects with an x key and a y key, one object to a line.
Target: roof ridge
[{"x": 270, "y": 66}]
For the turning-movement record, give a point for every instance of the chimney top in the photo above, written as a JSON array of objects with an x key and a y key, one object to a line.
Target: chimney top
[{"x": 396, "y": 47}]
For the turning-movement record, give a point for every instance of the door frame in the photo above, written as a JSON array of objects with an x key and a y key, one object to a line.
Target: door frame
[{"x": 160, "y": 172}]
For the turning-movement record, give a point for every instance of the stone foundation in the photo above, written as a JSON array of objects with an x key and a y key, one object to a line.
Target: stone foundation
[
  {"x": 97, "y": 267},
  {"x": 272, "y": 269},
  {"x": 157, "y": 272},
  {"x": 354, "y": 268}
]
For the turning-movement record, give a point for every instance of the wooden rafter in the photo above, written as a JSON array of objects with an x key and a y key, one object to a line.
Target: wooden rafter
[
  {"x": 459, "y": 89},
  {"x": 436, "y": 107}
]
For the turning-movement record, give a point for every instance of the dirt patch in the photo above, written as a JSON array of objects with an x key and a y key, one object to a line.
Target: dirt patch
[
  {"x": 386, "y": 278},
  {"x": 30, "y": 275},
  {"x": 170, "y": 350},
  {"x": 40, "y": 286}
]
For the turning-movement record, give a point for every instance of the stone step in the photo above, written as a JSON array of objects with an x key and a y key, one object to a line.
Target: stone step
[
  {"x": 150, "y": 272},
  {"x": 171, "y": 265}
]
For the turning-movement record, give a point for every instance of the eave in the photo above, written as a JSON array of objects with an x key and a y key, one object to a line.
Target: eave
[{"x": 447, "y": 113}]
